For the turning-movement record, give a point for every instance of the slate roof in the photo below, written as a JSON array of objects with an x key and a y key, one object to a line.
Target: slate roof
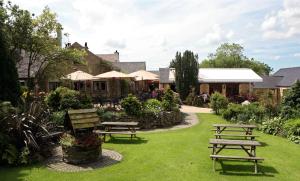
[
  {"x": 164, "y": 76},
  {"x": 22, "y": 66},
  {"x": 290, "y": 76},
  {"x": 129, "y": 67},
  {"x": 154, "y": 72},
  {"x": 270, "y": 82},
  {"x": 109, "y": 57}
]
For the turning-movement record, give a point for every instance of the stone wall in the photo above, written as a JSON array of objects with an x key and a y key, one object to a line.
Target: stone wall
[
  {"x": 204, "y": 88},
  {"x": 151, "y": 121},
  {"x": 244, "y": 89}
]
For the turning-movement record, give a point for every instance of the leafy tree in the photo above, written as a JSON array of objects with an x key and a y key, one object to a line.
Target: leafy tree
[
  {"x": 186, "y": 72},
  {"x": 290, "y": 105},
  {"x": 10, "y": 88},
  {"x": 38, "y": 37},
  {"x": 232, "y": 56}
]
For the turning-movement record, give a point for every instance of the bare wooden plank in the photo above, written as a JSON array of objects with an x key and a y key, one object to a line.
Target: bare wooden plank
[
  {"x": 231, "y": 147},
  {"x": 120, "y": 123},
  {"x": 83, "y": 125},
  {"x": 86, "y": 120},
  {"x": 234, "y": 142},
  {"x": 114, "y": 132},
  {"x": 76, "y": 111},
  {"x": 79, "y": 116}
]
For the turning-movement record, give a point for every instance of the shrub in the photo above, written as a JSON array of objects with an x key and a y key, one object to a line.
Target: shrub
[
  {"x": 63, "y": 98},
  {"x": 291, "y": 103},
  {"x": 20, "y": 133},
  {"x": 69, "y": 102},
  {"x": 131, "y": 105},
  {"x": 152, "y": 107},
  {"x": 218, "y": 102},
  {"x": 273, "y": 126},
  {"x": 252, "y": 112},
  {"x": 194, "y": 100},
  {"x": 292, "y": 128},
  {"x": 168, "y": 102},
  {"x": 58, "y": 117}
]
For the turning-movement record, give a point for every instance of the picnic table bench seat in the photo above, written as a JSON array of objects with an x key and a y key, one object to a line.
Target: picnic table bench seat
[
  {"x": 252, "y": 137},
  {"x": 224, "y": 157},
  {"x": 230, "y": 130},
  {"x": 123, "y": 128},
  {"x": 104, "y": 133}
]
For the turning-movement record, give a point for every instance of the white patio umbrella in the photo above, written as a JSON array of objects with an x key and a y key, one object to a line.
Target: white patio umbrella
[
  {"x": 113, "y": 74},
  {"x": 79, "y": 76},
  {"x": 144, "y": 75}
]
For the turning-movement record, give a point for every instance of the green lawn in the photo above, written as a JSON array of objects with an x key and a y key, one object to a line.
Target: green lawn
[{"x": 178, "y": 155}]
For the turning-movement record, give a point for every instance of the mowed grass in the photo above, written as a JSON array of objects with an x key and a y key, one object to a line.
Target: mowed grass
[{"x": 178, "y": 155}]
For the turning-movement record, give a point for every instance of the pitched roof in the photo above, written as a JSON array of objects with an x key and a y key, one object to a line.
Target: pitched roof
[
  {"x": 211, "y": 75},
  {"x": 154, "y": 72},
  {"x": 109, "y": 57},
  {"x": 290, "y": 76},
  {"x": 164, "y": 76},
  {"x": 270, "y": 82},
  {"x": 129, "y": 67},
  {"x": 228, "y": 75}
]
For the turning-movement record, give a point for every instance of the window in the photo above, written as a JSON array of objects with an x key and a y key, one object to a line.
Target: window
[
  {"x": 53, "y": 85},
  {"x": 99, "y": 85}
]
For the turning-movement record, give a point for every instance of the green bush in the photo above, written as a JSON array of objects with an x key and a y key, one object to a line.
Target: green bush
[
  {"x": 232, "y": 111},
  {"x": 292, "y": 128},
  {"x": 273, "y": 126},
  {"x": 291, "y": 103},
  {"x": 152, "y": 107},
  {"x": 69, "y": 102},
  {"x": 63, "y": 98},
  {"x": 252, "y": 112},
  {"x": 58, "y": 117},
  {"x": 131, "y": 105},
  {"x": 218, "y": 102},
  {"x": 168, "y": 101}
]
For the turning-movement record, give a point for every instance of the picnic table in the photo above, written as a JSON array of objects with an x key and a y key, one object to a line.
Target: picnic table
[
  {"x": 249, "y": 146},
  {"x": 246, "y": 128},
  {"x": 123, "y": 128}
]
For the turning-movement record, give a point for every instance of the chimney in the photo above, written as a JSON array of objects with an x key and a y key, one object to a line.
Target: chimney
[
  {"x": 85, "y": 45},
  {"x": 117, "y": 56}
]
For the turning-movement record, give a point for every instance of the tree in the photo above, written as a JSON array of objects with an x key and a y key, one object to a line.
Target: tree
[
  {"x": 10, "y": 88},
  {"x": 39, "y": 37},
  {"x": 232, "y": 56},
  {"x": 290, "y": 105},
  {"x": 186, "y": 72},
  {"x": 218, "y": 102}
]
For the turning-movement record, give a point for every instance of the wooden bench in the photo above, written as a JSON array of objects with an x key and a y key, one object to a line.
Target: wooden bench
[
  {"x": 219, "y": 136},
  {"x": 223, "y": 157},
  {"x": 229, "y": 130},
  {"x": 104, "y": 133}
]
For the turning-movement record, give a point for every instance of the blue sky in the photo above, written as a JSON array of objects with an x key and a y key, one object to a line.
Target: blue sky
[{"x": 153, "y": 30}]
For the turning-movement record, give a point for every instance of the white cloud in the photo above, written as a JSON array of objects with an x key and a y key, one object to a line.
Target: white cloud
[
  {"x": 218, "y": 35},
  {"x": 276, "y": 57},
  {"x": 116, "y": 44},
  {"x": 296, "y": 54},
  {"x": 285, "y": 23}
]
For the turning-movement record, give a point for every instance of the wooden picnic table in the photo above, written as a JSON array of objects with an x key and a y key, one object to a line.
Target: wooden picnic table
[
  {"x": 130, "y": 125},
  {"x": 122, "y": 128},
  {"x": 248, "y": 129},
  {"x": 249, "y": 146}
]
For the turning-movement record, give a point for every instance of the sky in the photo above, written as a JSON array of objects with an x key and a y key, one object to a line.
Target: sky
[{"x": 153, "y": 30}]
